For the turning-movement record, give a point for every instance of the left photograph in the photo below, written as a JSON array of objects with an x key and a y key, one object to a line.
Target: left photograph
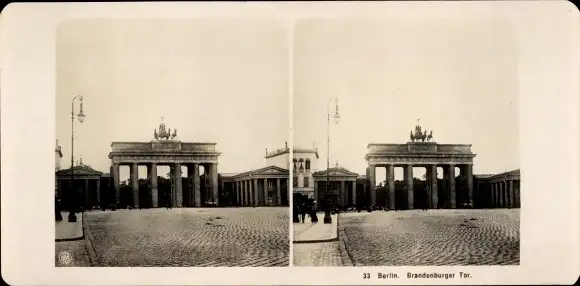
[{"x": 172, "y": 143}]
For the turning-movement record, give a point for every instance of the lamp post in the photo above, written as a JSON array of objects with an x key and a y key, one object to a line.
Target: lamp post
[
  {"x": 327, "y": 217},
  {"x": 81, "y": 117}
]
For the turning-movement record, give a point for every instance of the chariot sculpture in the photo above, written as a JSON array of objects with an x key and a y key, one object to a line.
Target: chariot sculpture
[
  {"x": 420, "y": 135},
  {"x": 164, "y": 134}
]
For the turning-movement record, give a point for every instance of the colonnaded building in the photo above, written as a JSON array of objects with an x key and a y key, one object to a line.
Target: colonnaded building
[
  {"x": 200, "y": 186},
  {"x": 459, "y": 187}
]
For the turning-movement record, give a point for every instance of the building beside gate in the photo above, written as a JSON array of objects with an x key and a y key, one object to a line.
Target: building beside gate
[
  {"x": 498, "y": 191},
  {"x": 342, "y": 187},
  {"x": 304, "y": 163},
  {"x": 86, "y": 188}
]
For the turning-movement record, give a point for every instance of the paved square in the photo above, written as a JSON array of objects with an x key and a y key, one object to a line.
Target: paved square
[
  {"x": 191, "y": 237},
  {"x": 433, "y": 237},
  {"x": 317, "y": 254}
]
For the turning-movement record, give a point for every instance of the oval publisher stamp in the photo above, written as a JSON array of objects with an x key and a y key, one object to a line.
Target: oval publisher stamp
[{"x": 65, "y": 258}]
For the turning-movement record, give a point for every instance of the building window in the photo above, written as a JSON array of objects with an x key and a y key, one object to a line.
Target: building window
[
  {"x": 295, "y": 182},
  {"x": 307, "y": 164},
  {"x": 306, "y": 182}
]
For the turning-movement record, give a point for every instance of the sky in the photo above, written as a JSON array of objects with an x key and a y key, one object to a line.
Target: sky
[
  {"x": 223, "y": 81},
  {"x": 458, "y": 76},
  {"x": 228, "y": 81}
]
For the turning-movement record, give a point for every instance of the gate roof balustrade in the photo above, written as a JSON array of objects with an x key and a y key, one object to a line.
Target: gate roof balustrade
[{"x": 163, "y": 151}]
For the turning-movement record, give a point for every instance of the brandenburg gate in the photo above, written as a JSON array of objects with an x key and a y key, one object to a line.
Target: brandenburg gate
[
  {"x": 164, "y": 150},
  {"x": 421, "y": 151}
]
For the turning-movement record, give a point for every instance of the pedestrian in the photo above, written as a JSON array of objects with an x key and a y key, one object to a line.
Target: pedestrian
[
  {"x": 313, "y": 216},
  {"x": 303, "y": 213},
  {"x": 295, "y": 214}
]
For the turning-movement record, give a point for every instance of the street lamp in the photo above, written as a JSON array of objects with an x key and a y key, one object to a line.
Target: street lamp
[
  {"x": 81, "y": 117},
  {"x": 336, "y": 117}
]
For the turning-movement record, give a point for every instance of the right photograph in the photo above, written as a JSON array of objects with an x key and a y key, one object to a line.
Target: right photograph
[{"x": 406, "y": 142}]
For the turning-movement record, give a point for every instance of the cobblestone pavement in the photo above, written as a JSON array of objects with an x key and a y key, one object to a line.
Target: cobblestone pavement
[
  {"x": 78, "y": 251},
  {"x": 434, "y": 237},
  {"x": 191, "y": 237},
  {"x": 317, "y": 254}
]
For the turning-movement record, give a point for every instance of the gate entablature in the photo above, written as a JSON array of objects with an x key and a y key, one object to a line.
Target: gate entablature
[
  {"x": 166, "y": 151},
  {"x": 417, "y": 153}
]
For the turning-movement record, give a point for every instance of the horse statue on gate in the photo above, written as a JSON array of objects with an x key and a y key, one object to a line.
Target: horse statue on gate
[
  {"x": 420, "y": 134},
  {"x": 162, "y": 133}
]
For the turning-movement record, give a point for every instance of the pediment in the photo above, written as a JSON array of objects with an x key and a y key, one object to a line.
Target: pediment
[
  {"x": 270, "y": 170},
  {"x": 79, "y": 171},
  {"x": 336, "y": 172},
  {"x": 267, "y": 171}
]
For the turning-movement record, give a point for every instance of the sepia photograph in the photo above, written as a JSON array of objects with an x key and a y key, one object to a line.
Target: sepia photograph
[
  {"x": 290, "y": 143},
  {"x": 163, "y": 129},
  {"x": 415, "y": 125}
]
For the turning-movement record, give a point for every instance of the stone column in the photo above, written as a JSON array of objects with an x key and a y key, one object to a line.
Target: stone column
[
  {"x": 152, "y": 174},
  {"x": 249, "y": 195},
  {"x": 342, "y": 193},
  {"x": 243, "y": 193},
  {"x": 469, "y": 174},
  {"x": 115, "y": 174},
  {"x": 135, "y": 184},
  {"x": 506, "y": 194},
  {"x": 266, "y": 192},
  {"x": 196, "y": 186},
  {"x": 238, "y": 194},
  {"x": 391, "y": 185},
  {"x": 188, "y": 193},
  {"x": 256, "y": 192},
  {"x": 99, "y": 192},
  {"x": 87, "y": 195},
  {"x": 501, "y": 195},
  {"x": 178, "y": 186},
  {"x": 452, "y": 202},
  {"x": 434, "y": 190},
  {"x": 372, "y": 183},
  {"x": 279, "y": 193},
  {"x": 252, "y": 192},
  {"x": 409, "y": 179},
  {"x": 215, "y": 183},
  {"x": 353, "y": 193},
  {"x": 517, "y": 194},
  {"x": 492, "y": 197},
  {"x": 241, "y": 186},
  {"x": 497, "y": 195},
  {"x": 289, "y": 191}
]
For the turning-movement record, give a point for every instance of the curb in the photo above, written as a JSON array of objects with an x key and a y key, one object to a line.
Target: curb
[
  {"x": 343, "y": 248},
  {"x": 320, "y": 240},
  {"x": 316, "y": 240},
  {"x": 89, "y": 245},
  {"x": 81, "y": 237}
]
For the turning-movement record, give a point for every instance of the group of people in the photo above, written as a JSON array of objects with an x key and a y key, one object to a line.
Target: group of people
[{"x": 301, "y": 210}]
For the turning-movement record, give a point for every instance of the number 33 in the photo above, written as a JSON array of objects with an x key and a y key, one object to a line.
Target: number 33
[{"x": 366, "y": 276}]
